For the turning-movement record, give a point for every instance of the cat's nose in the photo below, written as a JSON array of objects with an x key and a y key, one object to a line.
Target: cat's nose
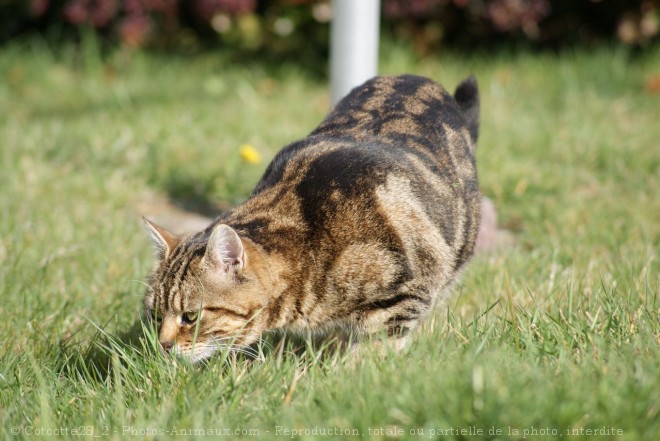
[{"x": 167, "y": 345}]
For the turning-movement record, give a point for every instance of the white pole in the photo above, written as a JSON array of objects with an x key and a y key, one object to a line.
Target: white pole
[{"x": 353, "y": 44}]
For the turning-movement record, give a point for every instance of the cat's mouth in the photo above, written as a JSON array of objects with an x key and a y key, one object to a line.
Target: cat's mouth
[
  {"x": 201, "y": 351},
  {"x": 195, "y": 354}
]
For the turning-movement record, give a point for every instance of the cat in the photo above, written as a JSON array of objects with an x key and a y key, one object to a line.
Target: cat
[{"x": 363, "y": 225}]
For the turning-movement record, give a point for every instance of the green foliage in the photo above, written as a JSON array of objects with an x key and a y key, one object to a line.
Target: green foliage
[{"x": 559, "y": 332}]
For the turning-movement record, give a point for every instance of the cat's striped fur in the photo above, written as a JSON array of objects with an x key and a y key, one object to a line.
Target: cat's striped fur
[{"x": 362, "y": 225}]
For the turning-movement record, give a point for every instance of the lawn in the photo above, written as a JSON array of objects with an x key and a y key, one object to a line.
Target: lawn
[{"x": 555, "y": 335}]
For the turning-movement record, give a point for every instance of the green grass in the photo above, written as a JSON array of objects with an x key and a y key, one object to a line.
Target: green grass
[{"x": 559, "y": 332}]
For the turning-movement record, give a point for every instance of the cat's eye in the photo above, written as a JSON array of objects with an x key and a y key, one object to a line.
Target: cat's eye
[
  {"x": 156, "y": 317},
  {"x": 189, "y": 317}
]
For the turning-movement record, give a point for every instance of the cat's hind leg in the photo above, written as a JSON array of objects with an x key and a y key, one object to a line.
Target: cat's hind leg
[{"x": 395, "y": 315}]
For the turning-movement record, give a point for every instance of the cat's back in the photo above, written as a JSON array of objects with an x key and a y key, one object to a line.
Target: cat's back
[{"x": 383, "y": 121}]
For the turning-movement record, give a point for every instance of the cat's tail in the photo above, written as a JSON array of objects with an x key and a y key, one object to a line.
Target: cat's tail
[{"x": 467, "y": 97}]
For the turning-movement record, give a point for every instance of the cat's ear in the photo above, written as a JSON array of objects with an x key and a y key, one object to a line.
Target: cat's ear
[
  {"x": 164, "y": 241},
  {"x": 225, "y": 249}
]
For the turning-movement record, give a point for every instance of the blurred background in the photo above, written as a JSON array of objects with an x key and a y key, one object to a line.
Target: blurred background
[{"x": 301, "y": 26}]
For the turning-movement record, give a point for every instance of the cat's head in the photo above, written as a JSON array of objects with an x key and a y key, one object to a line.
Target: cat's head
[{"x": 207, "y": 291}]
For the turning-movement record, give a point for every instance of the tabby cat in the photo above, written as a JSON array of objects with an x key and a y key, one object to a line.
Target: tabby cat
[{"x": 362, "y": 226}]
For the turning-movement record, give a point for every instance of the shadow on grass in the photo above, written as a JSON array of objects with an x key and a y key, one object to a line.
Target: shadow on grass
[
  {"x": 193, "y": 195},
  {"x": 92, "y": 360}
]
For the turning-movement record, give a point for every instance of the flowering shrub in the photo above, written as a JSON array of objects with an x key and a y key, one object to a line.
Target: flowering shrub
[
  {"x": 542, "y": 21},
  {"x": 275, "y": 23}
]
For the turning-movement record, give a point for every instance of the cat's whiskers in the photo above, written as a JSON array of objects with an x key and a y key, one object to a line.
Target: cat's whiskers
[
  {"x": 266, "y": 343},
  {"x": 219, "y": 343},
  {"x": 204, "y": 352}
]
